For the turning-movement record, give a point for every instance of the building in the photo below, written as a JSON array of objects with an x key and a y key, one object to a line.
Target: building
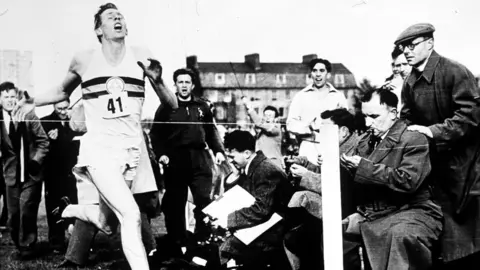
[
  {"x": 16, "y": 67},
  {"x": 224, "y": 84}
]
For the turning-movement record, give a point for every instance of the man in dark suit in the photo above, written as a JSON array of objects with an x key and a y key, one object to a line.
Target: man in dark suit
[
  {"x": 24, "y": 146},
  {"x": 4, "y": 213},
  {"x": 59, "y": 179},
  {"x": 268, "y": 184},
  {"x": 398, "y": 223}
]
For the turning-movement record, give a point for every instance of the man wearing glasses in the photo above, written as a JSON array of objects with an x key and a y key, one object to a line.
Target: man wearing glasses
[{"x": 441, "y": 100}]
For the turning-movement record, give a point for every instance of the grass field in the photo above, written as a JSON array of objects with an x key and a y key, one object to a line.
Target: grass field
[{"x": 107, "y": 250}]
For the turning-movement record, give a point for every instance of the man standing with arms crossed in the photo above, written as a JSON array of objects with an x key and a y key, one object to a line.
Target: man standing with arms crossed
[
  {"x": 441, "y": 100},
  {"x": 113, "y": 153}
]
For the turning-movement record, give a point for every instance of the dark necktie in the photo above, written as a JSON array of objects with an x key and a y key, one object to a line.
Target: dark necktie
[
  {"x": 373, "y": 142},
  {"x": 11, "y": 127},
  {"x": 12, "y": 134}
]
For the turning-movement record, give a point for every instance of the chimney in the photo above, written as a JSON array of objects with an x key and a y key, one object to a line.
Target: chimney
[
  {"x": 307, "y": 58},
  {"x": 253, "y": 60},
  {"x": 192, "y": 62}
]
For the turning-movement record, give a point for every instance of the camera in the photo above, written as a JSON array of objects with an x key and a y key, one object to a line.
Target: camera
[{"x": 288, "y": 160}]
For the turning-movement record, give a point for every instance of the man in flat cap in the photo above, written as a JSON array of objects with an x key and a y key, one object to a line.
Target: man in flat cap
[{"x": 441, "y": 100}]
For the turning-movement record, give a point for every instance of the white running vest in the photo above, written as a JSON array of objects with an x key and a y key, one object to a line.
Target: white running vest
[{"x": 113, "y": 97}]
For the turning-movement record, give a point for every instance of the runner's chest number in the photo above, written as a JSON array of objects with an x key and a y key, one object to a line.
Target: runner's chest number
[{"x": 116, "y": 105}]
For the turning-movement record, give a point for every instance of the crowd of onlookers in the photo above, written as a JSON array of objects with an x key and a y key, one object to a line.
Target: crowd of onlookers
[{"x": 409, "y": 167}]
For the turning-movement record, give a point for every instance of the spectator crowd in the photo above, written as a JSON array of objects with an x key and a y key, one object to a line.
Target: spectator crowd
[{"x": 409, "y": 167}]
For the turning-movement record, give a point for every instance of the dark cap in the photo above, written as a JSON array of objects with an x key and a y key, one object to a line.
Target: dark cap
[{"x": 414, "y": 31}]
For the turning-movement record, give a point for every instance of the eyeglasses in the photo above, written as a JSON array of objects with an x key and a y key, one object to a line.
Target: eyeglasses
[{"x": 410, "y": 46}]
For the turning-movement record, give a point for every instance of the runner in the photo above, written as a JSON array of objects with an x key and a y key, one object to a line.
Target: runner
[{"x": 112, "y": 153}]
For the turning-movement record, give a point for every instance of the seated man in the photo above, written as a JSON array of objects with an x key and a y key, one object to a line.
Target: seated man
[
  {"x": 309, "y": 174},
  {"x": 309, "y": 197},
  {"x": 400, "y": 224},
  {"x": 268, "y": 184}
]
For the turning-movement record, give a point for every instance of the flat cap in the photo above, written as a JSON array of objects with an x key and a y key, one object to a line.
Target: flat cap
[{"x": 414, "y": 31}]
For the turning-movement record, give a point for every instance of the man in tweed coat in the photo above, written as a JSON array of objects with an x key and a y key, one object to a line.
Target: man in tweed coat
[{"x": 398, "y": 223}]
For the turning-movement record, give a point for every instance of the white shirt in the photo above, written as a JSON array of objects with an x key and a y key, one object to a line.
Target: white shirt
[
  {"x": 6, "y": 119},
  {"x": 306, "y": 108},
  {"x": 309, "y": 103}
]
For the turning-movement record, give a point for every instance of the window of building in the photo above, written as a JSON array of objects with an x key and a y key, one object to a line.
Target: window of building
[
  {"x": 281, "y": 110},
  {"x": 227, "y": 97},
  {"x": 339, "y": 80},
  {"x": 212, "y": 95},
  {"x": 274, "y": 95},
  {"x": 220, "y": 78},
  {"x": 281, "y": 78},
  {"x": 220, "y": 112},
  {"x": 250, "y": 78}
]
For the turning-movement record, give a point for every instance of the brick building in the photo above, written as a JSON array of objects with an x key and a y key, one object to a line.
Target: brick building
[{"x": 224, "y": 83}]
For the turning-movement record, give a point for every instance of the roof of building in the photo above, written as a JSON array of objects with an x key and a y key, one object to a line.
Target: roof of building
[
  {"x": 296, "y": 72},
  {"x": 277, "y": 68}
]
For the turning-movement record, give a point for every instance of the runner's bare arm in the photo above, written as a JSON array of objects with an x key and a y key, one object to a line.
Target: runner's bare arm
[
  {"x": 59, "y": 93},
  {"x": 62, "y": 91},
  {"x": 71, "y": 81}
]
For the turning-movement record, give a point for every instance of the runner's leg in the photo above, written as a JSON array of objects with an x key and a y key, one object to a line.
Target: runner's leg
[{"x": 117, "y": 195}]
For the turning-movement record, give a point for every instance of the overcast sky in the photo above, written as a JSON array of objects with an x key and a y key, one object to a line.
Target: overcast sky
[{"x": 359, "y": 34}]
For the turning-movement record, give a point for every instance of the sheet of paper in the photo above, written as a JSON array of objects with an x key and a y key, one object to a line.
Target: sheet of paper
[
  {"x": 234, "y": 199},
  {"x": 247, "y": 235}
]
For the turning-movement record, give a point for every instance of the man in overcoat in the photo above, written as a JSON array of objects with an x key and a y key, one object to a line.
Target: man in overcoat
[
  {"x": 398, "y": 223},
  {"x": 441, "y": 100}
]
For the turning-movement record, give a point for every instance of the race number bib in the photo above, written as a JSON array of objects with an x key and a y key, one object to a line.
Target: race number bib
[
  {"x": 116, "y": 101},
  {"x": 116, "y": 105}
]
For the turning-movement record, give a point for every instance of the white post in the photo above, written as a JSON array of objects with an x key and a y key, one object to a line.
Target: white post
[{"x": 331, "y": 200}]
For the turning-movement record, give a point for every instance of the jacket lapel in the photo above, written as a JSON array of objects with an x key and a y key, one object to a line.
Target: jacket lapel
[
  {"x": 6, "y": 138},
  {"x": 382, "y": 150},
  {"x": 389, "y": 142}
]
